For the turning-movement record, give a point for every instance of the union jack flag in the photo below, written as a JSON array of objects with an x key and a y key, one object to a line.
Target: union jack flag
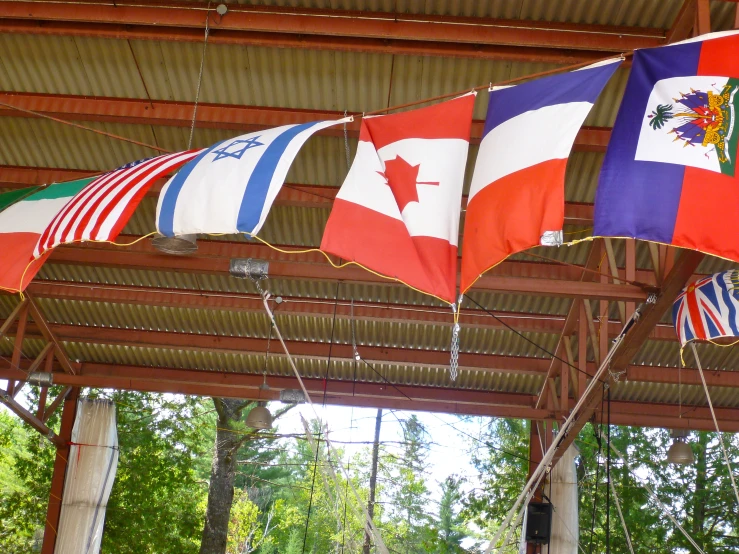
[{"x": 708, "y": 309}]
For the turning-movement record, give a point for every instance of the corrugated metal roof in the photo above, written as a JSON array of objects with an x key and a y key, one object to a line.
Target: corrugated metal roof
[{"x": 325, "y": 80}]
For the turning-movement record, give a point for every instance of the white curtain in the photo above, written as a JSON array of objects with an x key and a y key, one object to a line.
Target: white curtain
[
  {"x": 91, "y": 468},
  {"x": 565, "y": 530}
]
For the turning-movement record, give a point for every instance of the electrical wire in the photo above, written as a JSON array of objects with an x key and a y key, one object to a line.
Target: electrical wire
[{"x": 527, "y": 339}]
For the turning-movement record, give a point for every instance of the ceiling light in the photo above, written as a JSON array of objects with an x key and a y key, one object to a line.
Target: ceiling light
[
  {"x": 259, "y": 417},
  {"x": 680, "y": 451},
  {"x": 181, "y": 245}
]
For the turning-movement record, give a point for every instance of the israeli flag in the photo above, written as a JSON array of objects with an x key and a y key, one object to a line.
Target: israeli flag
[{"x": 230, "y": 187}]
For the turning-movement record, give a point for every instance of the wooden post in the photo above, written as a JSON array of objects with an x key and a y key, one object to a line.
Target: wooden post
[
  {"x": 582, "y": 350},
  {"x": 60, "y": 470},
  {"x": 703, "y": 17}
]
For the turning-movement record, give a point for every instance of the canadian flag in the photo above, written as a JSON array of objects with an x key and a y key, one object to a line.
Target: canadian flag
[{"x": 397, "y": 212}]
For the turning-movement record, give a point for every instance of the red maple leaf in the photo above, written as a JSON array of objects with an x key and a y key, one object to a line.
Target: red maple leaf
[{"x": 402, "y": 178}]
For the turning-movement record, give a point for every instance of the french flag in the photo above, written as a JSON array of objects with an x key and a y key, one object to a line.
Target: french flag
[{"x": 516, "y": 198}]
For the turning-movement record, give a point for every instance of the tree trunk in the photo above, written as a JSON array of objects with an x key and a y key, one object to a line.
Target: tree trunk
[
  {"x": 373, "y": 482},
  {"x": 222, "y": 474}
]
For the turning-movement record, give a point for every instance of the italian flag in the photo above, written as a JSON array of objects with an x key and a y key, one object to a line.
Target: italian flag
[{"x": 21, "y": 226}]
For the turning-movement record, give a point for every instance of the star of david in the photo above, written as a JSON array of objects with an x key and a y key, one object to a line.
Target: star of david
[
  {"x": 237, "y": 148},
  {"x": 402, "y": 178}
]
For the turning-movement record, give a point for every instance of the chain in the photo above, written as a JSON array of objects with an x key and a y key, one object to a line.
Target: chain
[
  {"x": 346, "y": 144},
  {"x": 454, "y": 364},
  {"x": 200, "y": 77},
  {"x": 357, "y": 357}
]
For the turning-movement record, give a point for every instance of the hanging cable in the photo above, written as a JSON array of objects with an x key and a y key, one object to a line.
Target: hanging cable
[
  {"x": 200, "y": 76},
  {"x": 621, "y": 517},
  {"x": 325, "y": 390},
  {"x": 595, "y": 493},
  {"x": 360, "y": 508},
  {"x": 657, "y": 501},
  {"x": 544, "y": 464},
  {"x": 715, "y": 422},
  {"x": 608, "y": 477}
]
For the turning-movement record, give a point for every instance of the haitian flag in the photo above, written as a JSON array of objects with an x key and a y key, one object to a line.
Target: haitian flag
[
  {"x": 670, "y": 172},
  {"x": 397, "y": 212},
  {"x": 708, "y": 309},
  {"x": 517, "y": 195}
]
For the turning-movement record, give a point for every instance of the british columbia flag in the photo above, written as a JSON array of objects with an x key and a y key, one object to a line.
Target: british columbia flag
[{"x": 708, "y": 309}]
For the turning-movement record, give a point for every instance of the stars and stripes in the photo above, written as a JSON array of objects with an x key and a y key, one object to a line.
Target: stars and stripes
[
  {"x": 708, "y": 309},
  {"x": 100, "y": 210}
]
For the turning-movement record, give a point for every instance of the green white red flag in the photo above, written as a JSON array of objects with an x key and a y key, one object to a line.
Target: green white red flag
[{"x": 21, "y": 226}]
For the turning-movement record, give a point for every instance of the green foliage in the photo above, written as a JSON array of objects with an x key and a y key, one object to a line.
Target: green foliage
[
  {"x": 451, "y": 526},
  {"x": 501, "y": 459},
  {"x": 23, "y": 508},
  {"x": 153, "y": 506}
]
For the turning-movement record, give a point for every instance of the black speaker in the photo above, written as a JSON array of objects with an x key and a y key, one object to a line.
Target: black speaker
[{"x": 538, "y": 522}]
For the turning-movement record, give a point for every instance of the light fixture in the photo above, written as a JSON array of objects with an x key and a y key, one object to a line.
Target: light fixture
[
  {"x": 221, "y": 9},
  {"x": 259, "y": 417},
  {"x": 292, "y": 396},
  {"x": 40, "y": 379},
  {"x": 680, "y": 451},
  {"x": 180, "y": 245}
]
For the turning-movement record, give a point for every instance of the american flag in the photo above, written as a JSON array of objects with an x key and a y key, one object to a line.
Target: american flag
[
  {"x": 101, "y": 210},
  {"x": 708, "y": 309}
]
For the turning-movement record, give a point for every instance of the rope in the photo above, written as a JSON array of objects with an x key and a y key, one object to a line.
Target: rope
[
  {"x": 379, "y": 543},
  {"x": 200, "y": 76},
  {"x": 621, "y": 517},
  {"x": 656, "y": 499},
  {"x": 715, "y": 422},
  {"x": 83, "y": 127},
  {"x": 544, "y": 465}
]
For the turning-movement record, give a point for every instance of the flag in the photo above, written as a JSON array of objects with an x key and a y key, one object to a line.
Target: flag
[
  {"x": 516, "y": 198},
  {"x": 21, "y": 226},
  {"x": 230, "y": 187},
  {"x": 100, "y": 211},
  {"x": 397, "y": 212},
  {"x": 669, "y": 173},
  {"x": 708, "y": 309},
  {"x": 11, "y": 197}
]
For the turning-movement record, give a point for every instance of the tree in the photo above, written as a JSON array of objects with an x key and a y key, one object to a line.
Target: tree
[
  {"x": 231, "y": 435},
  {"x": 501, "y": 459},
  {"x": 153, "y": 505},
  {"x": 451, "y": 526},
  {"x": 410, "y": 523}
]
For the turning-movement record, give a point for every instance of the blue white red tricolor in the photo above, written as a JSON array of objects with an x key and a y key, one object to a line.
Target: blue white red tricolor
[
  {"x": 230, "y": 187},
  {"x": 398, "y": 211},
  {"x": 708, "y": 309},
  {"x": 669, "y": 174},
  {"x": 516, "y": 198}
]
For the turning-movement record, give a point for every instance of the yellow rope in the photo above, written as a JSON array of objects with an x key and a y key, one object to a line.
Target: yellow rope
[{"x": 345, "y": 264}]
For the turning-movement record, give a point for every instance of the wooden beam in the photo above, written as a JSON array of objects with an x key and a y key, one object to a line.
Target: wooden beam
[
  {"x": 310, "y": 307},
  {"x": 49, "y": 335},
  {"x": 29, "y": 418},
  {"x": 48, "y": 412},
  {"x": 54, "y": 508},
  {"x": 365, "y": 31},
  {"x": 571, "y": 320},
  {"x": 683, "y": 23},
  {"x": 214, "y": 257},
  {"x": 380, "y": 394},
  {"x": 702, "y": 17},
  {"x": 135, "y": 111},
  {"x": 683, "y": 269}
]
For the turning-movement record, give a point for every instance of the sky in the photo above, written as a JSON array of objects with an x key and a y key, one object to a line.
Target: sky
[{"x": 448, "y": 453}]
